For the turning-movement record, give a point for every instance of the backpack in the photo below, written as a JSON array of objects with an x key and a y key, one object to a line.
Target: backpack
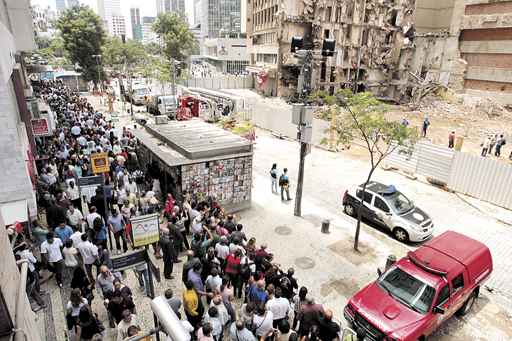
[{"x": 281, "y": 180}]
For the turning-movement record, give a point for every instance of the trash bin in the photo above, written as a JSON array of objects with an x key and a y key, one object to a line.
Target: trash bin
[{"x": 325, "y": 226}]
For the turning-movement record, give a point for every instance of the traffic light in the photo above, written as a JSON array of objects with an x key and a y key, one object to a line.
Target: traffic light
[
  {"x": 328, "y": 47},
  {"x": 297, "y": 44}
]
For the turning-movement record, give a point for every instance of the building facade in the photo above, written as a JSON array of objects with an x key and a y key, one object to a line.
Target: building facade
[
  {"x": 174, "y": 6},
  {"x": 197, "y": 12},
  {"x": 148, "y": 35},
  {"x": 113, "y": 20},
  {"x": 60, "y": 5},
  {"x": 136, "y": 24},
  {"x": 220, "y": 18},
  {"x": 373, "y": 44},
  {"x": 228, "y": 55},
  {"x": 17, "y": 197}
]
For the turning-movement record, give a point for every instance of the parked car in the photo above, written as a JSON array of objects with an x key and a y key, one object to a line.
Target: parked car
[
  {"x": 388, "y": 207},
  {"x": 412, "y": 298},
  {"x": 163, "y": 105},
  {"x": 138, "y": 94}
]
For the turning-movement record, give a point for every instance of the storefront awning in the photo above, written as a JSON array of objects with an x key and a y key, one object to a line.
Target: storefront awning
[{"x": 14, "y": 211}]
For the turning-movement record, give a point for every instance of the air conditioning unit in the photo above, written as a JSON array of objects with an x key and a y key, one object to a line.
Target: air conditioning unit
[{"x": 161, "y": 119}]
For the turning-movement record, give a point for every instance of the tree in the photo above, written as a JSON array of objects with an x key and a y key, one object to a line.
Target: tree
[
  {"x": 116, "y": 53},
  {"x": 361, "y": 116},
  {"x": 153, "y": 49},
  {"x": 179, "y": 41},
  {"x": 83, "y": 35}
]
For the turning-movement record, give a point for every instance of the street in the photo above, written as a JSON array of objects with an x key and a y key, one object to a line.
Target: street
[{"x": 328, "y": 266}]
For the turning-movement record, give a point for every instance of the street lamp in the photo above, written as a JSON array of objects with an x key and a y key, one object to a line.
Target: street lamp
[
  {"x": 303, "y": 117},
  {"x": 98, "y": 60}
]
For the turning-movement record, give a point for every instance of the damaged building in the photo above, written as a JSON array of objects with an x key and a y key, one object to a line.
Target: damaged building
[
  {"x": 395, "y": 48},
  {"x": 374, "y": 44}
]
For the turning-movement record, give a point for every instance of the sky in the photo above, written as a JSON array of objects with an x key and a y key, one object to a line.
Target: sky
[{"x": 147, "y": 8}]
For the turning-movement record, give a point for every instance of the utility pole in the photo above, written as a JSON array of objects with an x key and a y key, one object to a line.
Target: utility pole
[
  {"x": 98, "y": 58},
  {"x": 173, "y": 62},
  {"x": 303, "y": 122}
]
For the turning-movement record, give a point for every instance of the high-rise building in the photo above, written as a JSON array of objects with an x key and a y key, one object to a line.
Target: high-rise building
[
  {"x": 159, "y": 7},
  {"x": 148, "y": 35},
  {"x": 118, "y": 26},
  {"x": 197, "y": 12},
  {"x": 220, "y": 18},
  {"x": 165, "y": 6},
  {"x": 73, "y": 3},
  {"x": 60, "y": 5},
  {"x": 136, "y": 25},
  {"x": 110, "y": 13}
]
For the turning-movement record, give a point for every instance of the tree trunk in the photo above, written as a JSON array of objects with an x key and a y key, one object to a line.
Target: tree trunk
[{"x": 360, "y": 210}]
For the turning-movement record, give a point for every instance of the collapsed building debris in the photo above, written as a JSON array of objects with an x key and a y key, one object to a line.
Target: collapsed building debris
[{"x": 374, "y": 44}]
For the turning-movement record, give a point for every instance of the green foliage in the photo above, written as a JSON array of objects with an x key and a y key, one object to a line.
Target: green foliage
[
  {"x": 82, "y": 33},
  {"x": 116, "y": 54},
  {"x": 173, "y": 29},
  {"x": 42, "y": 42},
  {"x": 153, "y": 49},
  {"x": 361, "y": 116}
]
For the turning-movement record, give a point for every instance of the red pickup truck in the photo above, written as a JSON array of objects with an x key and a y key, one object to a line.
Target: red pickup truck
[{"x": 412, "y": 298}]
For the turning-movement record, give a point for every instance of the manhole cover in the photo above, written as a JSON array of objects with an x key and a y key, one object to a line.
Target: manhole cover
[
  {"x": 305, "y": 263},
  {"x": 283, "y": 230}
]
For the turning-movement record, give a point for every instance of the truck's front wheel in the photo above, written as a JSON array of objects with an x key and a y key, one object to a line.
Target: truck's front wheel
[{"x": 466, "y": 307}]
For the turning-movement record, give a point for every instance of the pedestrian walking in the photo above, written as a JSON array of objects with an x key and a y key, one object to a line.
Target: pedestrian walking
[
  {"x": 117, "y": 225},
  {"x": 485, "y": 146},
  {"x": 284, "y": 183},
  {"x": 426, "y": 124},
  {"x": 499, "y": 144},
  {"x": 52, "y": 255},
  {"x": 451, "y": 139},
  {"x": 492, "y": 143},
  {"x": 273, "y": 178}
]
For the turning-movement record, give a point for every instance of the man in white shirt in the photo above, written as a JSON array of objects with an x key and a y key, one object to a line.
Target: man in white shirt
[
  {"x": 73, "y": 193},
  {"x": 222, "y": 249},
  {"x": 89, "y": 253},
  {"x": 128, "y": 320},
  {"x": 76, "y": 237},
  {"x": 76, "y": 130},
  {"x": 75, "y": 217},
  {"x": 91, "y": 217},
  {"x": 51, "y": 251},
  {"x": 279, "y": 306}
]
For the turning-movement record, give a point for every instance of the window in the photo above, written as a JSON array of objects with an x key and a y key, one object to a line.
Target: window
[
  {"x": 367, "y": 196},
  {"x": 458, "y": 282},
  {"x": 408, "y": 290},
  {"x": 381, "y": 205},
  {"x": 444, "y": 294}
]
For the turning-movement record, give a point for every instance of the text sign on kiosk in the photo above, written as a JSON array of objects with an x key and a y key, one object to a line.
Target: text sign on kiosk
[
  {"x": 145, "y": 229},
  {"x": 129, "y": 260},
  {"x": 100, "y": 163}
]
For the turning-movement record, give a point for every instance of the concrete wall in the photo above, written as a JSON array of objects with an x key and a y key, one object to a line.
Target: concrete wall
[
  {"x": 14, "y": 178},
  {"x": 433, "y": 15},
  {"x": 9, "y": 282},
  {"x": 275, "y": 115}
]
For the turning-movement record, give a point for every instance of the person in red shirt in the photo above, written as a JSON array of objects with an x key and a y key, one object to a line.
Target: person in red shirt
[{"x": 233, "y": 271}]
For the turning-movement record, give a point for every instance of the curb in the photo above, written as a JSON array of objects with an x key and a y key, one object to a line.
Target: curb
[{"x": 504, "y": 222}]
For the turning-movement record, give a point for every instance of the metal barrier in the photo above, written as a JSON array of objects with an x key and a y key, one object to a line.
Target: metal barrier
[{"x": 483, "y": 178}]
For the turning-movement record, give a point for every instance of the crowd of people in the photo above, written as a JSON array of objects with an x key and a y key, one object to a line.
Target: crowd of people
[{"x": 232, "y": 287}]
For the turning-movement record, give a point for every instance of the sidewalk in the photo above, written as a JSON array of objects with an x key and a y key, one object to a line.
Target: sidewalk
[{"x": 501, "y": 214}]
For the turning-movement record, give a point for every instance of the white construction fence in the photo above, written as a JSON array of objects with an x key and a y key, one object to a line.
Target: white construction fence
[{"x": 483, "y": 178}]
